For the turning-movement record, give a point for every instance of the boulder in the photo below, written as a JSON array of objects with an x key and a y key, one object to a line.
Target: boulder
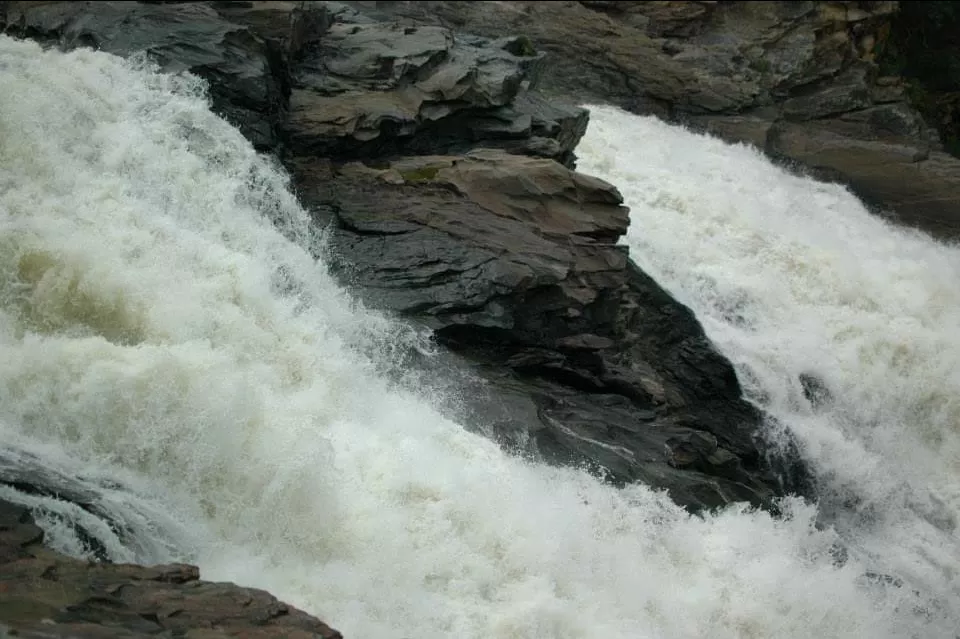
[
  {"x": 45, "y": 594},
  {"x": 513, "y": 262}
]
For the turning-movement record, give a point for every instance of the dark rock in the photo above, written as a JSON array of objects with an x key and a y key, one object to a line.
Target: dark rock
[
  {"x": 45, "y": 594},
  {"x": 847, "y": 92},
  {"x": 372, "y": 89},
  {"x": 888, "y": 121},
  {"x": 815, "y": 390},
  {"x": 658, "y": 19},
  {"x": 27, "y": 474},
  {"x": 513, "y": 262},
  {"x": 743, "y": 71},
  {"x": 292, "y": 28}
]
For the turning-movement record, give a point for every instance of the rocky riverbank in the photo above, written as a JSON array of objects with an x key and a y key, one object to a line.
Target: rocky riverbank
[
  {"x": 442, "y": 166},
  {"x": 799, "y": 80}
]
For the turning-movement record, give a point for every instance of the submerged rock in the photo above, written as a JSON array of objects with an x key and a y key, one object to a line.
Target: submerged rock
[{"x": 815, "y": 390}]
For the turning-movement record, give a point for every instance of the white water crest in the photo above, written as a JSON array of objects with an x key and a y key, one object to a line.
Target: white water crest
[
  {"x": 792, "y": 278},
  {"x": 166, "y": 332}
]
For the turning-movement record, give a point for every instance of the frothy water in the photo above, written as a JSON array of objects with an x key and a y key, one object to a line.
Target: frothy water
[
  {"x": 795, "y": 279},
  {"x": 166, "y": 335}
]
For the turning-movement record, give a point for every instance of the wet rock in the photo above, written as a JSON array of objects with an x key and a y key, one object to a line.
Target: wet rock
[
  {"x": 25, "y": 473},
  {"x": 745, "y": 71},
  {"x": 513, "y": 262},
  {"x": 850, "y": 92},
  {"x": 815, "y": 390},
  {"x": 45, "y": 594},
  {"x": 377, "y": 88}
]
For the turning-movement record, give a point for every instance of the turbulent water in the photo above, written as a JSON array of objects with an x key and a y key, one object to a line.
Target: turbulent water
[{"x": 166, "y": 336}]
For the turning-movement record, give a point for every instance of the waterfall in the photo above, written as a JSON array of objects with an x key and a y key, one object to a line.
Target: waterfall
[{"x": 168, "y": 337}]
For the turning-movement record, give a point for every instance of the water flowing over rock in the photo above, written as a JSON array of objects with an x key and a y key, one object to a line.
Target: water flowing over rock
[
  {"x": 513, "y": 261},
  {"x": 510, "y": 257},
  {"x": 797, "y": 79},
  {"x": 445, "y": 181},
  {"x": 252, "y": 425}
]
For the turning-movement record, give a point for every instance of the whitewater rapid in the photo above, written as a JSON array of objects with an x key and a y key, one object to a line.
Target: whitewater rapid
[{"x": 167, "y": 336}]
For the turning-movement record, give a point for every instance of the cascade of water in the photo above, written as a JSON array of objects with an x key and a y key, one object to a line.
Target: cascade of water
[{"x": 165, "y": 331}]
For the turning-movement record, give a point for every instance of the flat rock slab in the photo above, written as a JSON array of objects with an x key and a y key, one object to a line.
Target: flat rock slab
[{"x": 44, "y": 594}]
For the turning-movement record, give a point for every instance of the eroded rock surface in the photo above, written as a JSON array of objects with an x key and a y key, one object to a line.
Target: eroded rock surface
[
  {"x": 513, "y": 262},
  {"x": 371, "y": 88},
  {"x": 796, "y": 79}
]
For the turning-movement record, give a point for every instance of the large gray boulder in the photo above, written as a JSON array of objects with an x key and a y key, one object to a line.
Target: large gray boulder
[{"x": 513, "y": 262}]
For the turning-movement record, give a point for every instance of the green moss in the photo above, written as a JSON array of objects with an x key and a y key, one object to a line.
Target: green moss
[
  {"x": 522, "y": 47},
  {"x": 422, "y": 174},
  {"x": 761, "y": 65}
]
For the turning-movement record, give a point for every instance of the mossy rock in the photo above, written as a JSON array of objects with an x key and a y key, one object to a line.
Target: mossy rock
[
  {"x": 522, "y": 47},
  {"x": 420, "y": 174}
]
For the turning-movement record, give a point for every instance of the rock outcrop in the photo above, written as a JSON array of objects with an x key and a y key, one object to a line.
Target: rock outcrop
[
  {"x": 513, "y": 262},
  {"x": 45, "y": 595},
  {"x": 797, "y": 79},
  {"x": 370, "y": 89}
]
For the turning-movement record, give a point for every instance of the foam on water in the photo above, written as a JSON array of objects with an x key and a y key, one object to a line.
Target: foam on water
[
  {"x": 795, "y": 278},
  {"x": 164, "y": 326}
]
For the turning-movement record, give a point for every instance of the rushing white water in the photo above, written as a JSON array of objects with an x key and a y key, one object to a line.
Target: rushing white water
[{"x": 159, "y": 335}]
